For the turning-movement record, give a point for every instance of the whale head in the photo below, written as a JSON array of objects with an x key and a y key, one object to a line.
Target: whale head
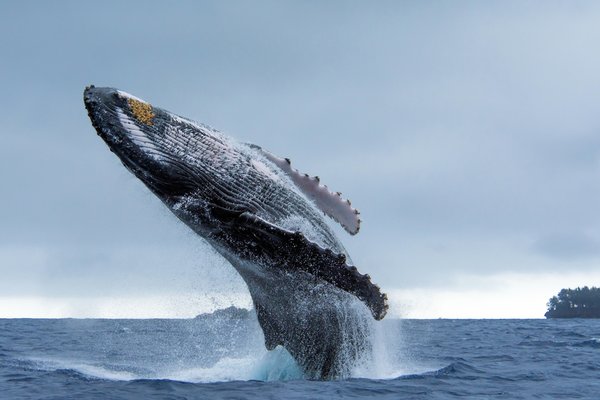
[{"x": 168, "y": 153}]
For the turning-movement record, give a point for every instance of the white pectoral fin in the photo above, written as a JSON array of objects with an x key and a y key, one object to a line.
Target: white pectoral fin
[{"x": 331, "y": 203}]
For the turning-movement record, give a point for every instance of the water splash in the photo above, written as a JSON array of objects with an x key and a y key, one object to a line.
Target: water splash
[{"x": 215, "y": 348}]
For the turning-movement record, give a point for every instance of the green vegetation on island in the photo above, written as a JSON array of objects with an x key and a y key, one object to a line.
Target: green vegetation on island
[{"x": 575, "y": 303}]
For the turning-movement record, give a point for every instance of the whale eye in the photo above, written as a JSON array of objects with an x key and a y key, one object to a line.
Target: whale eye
[{"x": 141, "y": 111}]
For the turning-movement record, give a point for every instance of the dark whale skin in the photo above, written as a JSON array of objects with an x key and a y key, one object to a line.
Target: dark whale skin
[{"x": 308, "y": 296}]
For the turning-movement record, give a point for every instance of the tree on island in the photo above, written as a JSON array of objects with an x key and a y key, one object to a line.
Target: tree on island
[{"x": 575, "y": 303}]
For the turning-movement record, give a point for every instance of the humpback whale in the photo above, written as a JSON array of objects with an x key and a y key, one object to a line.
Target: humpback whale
[{"x": 264, "y": 217}]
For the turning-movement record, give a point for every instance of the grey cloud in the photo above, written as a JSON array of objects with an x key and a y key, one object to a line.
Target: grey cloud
[
  {"x": 463, "y": 133},
  {"x": 568, "y": 246}
]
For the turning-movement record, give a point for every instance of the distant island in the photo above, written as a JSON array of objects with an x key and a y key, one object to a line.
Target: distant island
[
  {"x": 575, "y": 303},
  {"x": 229, "y": 312}
]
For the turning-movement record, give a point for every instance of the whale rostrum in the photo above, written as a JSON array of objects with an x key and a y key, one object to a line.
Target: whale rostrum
[{"x": 264, "y": 217}]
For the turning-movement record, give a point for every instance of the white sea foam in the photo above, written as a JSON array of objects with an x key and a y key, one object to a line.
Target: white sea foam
[
  {"x": 388, "y": 359},
  {"x": 87, "y": 369},
  {"x": 273, "y": 365},
  {"x": 227, "y": 349},
  {"x": 226, "y": 369}
]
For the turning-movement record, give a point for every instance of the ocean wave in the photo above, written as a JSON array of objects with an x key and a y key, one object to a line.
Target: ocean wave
[
  {"x": 459, "y": 367},
  {"x": 88, "y": 370},
  {"x": 593, "y": 343},
  {"x": 275, "y": 365}
]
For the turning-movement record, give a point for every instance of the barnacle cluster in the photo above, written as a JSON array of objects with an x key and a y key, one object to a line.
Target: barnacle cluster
[{"x": 141, "y": 111}]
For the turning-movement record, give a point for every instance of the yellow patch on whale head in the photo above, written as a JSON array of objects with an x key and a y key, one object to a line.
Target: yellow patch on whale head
[{"x": 141, "y": 111}]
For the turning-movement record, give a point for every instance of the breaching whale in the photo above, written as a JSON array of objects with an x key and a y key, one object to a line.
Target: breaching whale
[{"x": 260, "y": 214}]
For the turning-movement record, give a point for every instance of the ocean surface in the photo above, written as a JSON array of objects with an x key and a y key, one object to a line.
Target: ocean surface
[{"x": 224, "y": 358}]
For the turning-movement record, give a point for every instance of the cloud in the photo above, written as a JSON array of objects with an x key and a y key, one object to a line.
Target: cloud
[
  {"x": 466, "y": 135},
  {"x": 501, "y": 295},
  {"x": 568, "y": 246},
  {"x": 129, "y": 270},
  {"x": 163, "y": 305}
]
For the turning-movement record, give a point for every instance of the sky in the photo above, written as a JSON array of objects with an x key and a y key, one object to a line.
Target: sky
[{"x": 466, "y": 133}]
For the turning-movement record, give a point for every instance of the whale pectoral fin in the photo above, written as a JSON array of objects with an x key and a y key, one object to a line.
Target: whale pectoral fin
[
  {"x": 293, "y": 251},
  {"x": 331, "y": 203}
]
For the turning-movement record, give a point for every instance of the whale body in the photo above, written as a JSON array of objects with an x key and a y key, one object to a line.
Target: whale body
[{"x": 264, "y": 217}]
